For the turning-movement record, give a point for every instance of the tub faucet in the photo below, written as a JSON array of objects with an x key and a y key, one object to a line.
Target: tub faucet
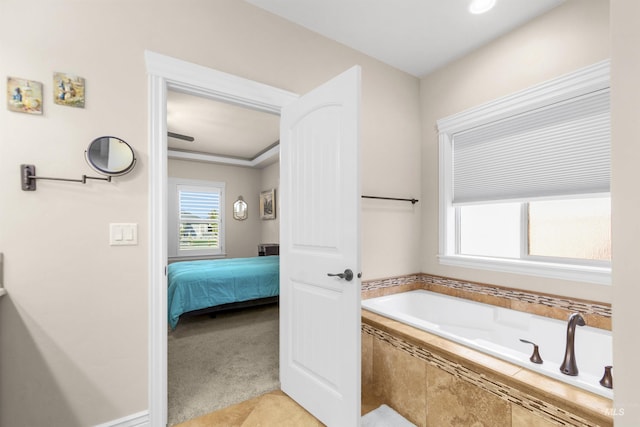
[{"x": 569, "y": 366}]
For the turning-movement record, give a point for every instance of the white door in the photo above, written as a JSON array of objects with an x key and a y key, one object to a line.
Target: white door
[{"x": 320, "y": 209}]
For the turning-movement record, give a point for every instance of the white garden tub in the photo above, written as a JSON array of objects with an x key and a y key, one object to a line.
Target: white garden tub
[{"x": 497, "y": 331}]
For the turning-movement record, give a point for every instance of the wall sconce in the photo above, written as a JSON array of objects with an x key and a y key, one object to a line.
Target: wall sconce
[{"x": 240, "y": 211}]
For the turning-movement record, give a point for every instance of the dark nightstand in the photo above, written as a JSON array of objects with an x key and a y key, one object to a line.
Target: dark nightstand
[{"x": 265, "y": 249}]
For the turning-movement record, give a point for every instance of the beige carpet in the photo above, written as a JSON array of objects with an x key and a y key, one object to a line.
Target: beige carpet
[{"x": 215, "y": 363}]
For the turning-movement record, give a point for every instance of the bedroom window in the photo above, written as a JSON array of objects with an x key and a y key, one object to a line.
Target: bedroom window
[
  {"x": 524, "y": 181},
  {"x": 196, "y": 219}
]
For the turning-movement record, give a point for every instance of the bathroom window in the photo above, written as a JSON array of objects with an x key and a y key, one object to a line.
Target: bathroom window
[
  {"x": 578, "y": 229},
  {"x": 573, "y": 230},
  {"x": 196, "y": 220},
  {"x": 524, "y": 181}
]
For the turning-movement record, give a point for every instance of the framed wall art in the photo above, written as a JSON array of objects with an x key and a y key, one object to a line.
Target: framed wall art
[
  {"x": 24, "y": 96},
  {"x": 68, "y": 90},
  {"x": 268, "y": 204}
]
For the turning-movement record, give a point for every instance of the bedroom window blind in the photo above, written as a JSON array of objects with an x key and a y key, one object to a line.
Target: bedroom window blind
[
  {"x": 195, "y": 218},
  {"x": 199, "y": 218}
]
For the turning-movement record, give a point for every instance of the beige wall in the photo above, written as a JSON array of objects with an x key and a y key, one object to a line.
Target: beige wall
[
  {"x": 625, "y": 102},
  {"x": 574, "y": 35},
  {"x": 241, "y": 237},
  {"x": 270, "y": 228},
  {"x": 73, "y": 329}
]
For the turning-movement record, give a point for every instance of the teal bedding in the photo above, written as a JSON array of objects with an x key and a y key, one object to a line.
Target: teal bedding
[{"x": 195, "y": 285}]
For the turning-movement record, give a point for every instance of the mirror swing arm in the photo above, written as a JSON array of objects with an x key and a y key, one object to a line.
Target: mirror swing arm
[
  {"x": 107, "y": 155},
  {"x": 28, "y": 174}
]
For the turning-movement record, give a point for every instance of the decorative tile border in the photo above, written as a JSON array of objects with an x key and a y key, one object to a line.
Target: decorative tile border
[
  {"x": 371, "y": 285},
  {"x": 505, "y": 392},
  {"x": 561, "y": 303}
]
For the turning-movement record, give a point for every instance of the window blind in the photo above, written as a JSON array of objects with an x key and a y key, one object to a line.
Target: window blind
[
  {"x": 557, "y": 150},
  {"x": 199, "y": 218}
]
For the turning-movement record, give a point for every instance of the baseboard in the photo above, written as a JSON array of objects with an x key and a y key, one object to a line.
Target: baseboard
[{"x": 140, "y": 419}]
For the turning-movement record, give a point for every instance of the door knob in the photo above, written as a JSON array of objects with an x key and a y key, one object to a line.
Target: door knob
[{"x": 347, "y": 275}]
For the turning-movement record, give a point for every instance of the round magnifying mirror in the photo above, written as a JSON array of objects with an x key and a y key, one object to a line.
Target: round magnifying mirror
[
  {"x": 240, "y": 211},
  {"x": 111, "y": 156}
]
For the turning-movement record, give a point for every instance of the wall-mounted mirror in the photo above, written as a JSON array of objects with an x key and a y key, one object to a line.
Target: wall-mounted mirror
[
  {"x": 110, "y": 156},
  {"x": 240, "y": 211}
]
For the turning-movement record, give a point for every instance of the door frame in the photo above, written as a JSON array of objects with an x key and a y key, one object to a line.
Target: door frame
[{"x": 165, "y": 73}]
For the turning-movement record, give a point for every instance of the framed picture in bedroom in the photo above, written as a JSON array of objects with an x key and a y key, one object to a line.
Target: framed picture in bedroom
[{"x": 268, "y": 204}]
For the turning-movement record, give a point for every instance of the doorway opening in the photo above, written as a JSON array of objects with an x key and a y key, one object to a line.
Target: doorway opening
[
  {"x": 219, "y": 153},
  {"x": 164, "y": 74}
]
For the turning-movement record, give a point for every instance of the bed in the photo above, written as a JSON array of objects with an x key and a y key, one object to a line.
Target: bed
[{"x": 198, "y": 287}]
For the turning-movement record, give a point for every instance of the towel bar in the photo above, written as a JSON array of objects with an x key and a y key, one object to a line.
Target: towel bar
[{"x": 413, "y": 201}]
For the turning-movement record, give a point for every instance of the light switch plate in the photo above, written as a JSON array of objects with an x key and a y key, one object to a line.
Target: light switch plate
[{"x": 123, "y": 234}]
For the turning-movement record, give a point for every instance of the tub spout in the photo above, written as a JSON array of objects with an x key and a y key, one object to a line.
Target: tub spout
[{"x": 569, "y": 366}]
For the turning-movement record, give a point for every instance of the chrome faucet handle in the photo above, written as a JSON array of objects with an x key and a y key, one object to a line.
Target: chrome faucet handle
[{"x": 535, "y": 357}]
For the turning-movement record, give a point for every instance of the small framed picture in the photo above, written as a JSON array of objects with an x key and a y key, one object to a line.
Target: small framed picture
[
  {"x": 68, "y": 90},
  {"x": 268, "y": 204},
  {"x": 24, "y": 96}
]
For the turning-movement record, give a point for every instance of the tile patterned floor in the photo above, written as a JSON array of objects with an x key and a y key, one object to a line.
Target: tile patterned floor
[
  {"x": 274, "y": 409},
  {"x": 271, "y": 409}
]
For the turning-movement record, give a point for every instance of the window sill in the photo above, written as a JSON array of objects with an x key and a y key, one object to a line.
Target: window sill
[
  {"x": 578, "y": 273},
  {"x": 196, "y": 257}
]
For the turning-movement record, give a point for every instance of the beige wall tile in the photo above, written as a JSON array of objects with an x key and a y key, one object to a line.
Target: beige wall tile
[
  {"x": 367, "y": 365},
  {"x": 455, "y": 402},
  {"x": 399, "y": 381},
  {"x": 520, "y": 417}
]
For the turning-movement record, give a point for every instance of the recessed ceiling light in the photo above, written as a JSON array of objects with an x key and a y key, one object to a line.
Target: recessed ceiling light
[{"x": 481, "y": 6}]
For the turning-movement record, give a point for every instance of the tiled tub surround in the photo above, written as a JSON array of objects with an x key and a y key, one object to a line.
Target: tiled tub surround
[
  {"x": 433, "y": 381},
  {"x": 497, "y": 331}
]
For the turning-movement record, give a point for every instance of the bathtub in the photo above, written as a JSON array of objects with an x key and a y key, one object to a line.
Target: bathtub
[{"x": 497, "y": 331}]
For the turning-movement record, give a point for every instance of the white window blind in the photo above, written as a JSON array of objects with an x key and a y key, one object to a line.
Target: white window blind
[
  {"x": 561, "y": 149},
  {"x": 199, "y": 218}
]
